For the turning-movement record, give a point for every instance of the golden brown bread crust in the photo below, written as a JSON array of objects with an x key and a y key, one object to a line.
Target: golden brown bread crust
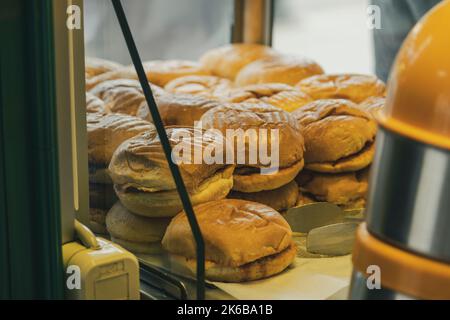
[
  {"x": 255, "y": 91},
  {"x": 160, "y": 72},
  {"x": 94, "y": 104},
  {"x": 256, "y": 182},
  {"x": 123, "y": 73},
  {"x": 351, "y": 163},
  {"x": 178, "y": 109},
  {"x": 228, "y": 60},
  {"x": 235, "y": 232},
  {"x": 207, "y": 86},
  {"x": 140, "y": 162},
  {"x": 258, "y": 269},
  {"x": 334, "y": 129},
  {"x": 341, "y": 189},
  {"x": 122, "y": 95},
  {"x": 279, "y": 199},
  {"x": 354, "y": 87},
  {"x": 123, "y": 224},
  {"x": 135, "y": 233},
  {"x": 287, "y": 100},
  {"x": 277, "y": 94},
  {"x": 167, "y": 203},
  {"x": 259, "y": 116},
  {"x": 373, "y": 105},
  {"x": 106, "y": 132},
  {"x": 281, "y": 68},
  {"x": 96, "y": 66}
]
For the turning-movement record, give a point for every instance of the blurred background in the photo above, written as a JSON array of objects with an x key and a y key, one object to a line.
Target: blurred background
[{"x": 334, "y": 33}]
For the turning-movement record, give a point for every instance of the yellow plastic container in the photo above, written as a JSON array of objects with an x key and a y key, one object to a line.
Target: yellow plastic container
[{"x": 418, "y": 103}]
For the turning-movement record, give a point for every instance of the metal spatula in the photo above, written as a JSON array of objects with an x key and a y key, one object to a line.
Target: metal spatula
[
  {"x": 309, "y": 216},
  {"x": 330, "y": 230},
  {"x": 334, "y": 240}
]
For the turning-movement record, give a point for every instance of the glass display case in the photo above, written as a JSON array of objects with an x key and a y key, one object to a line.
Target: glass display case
[{"x": 105, "y": 104}]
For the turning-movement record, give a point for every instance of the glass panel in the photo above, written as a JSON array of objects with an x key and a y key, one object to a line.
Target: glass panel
[
  {"x": 171, "y": 36},
  {"x": 334, "y": 33},
  {"x": 162, "y": 29}
]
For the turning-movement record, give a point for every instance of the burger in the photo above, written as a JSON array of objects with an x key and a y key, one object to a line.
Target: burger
[
  {"x": 105, "y": 133},
  {"x": 228, "y": 60},
  {"x": 339, "y": 136},
  {"x": 135, "y": 233},
  {"x": 265, "y": 127},
  {"x": 354, "y": 87},
  {"x": 279, "y": 95},
  {"x": 144, "y": 183},
  {"x": 122, "y": 95},
  {"x": 280, "y": 68},
  {"x": 244, "y": 240}
]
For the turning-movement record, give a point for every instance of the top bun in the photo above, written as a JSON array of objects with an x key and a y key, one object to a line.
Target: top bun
[
  {"x": 96, "y": 66},
  {"x": 277, "y": 94},
  {"x": 207, "y": 86},
  {"x": 373, "y": 105},
  {"x": 122, "y": 73},
  {"x": 160, "y": 72},
  {"x": 235, "y": 232},
  {"x": 94, "y": 104},
  {"x": 282, "y": 69},
  {"x": 178, "y": 109},
  {"x": 107, "y": 131},
  {"x": 354, "y": 87},
  {"x": 335, "y": 129},
  {"x": 141, "y": 163},
  {"x": 122, "y": 95},
  {"x": 228, "y": 60},
  {"x": 258, "y": 116}
]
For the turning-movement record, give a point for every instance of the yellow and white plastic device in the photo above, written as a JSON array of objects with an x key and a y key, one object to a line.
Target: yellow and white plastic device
[
  {"x": 97, "y": 269},
  {"x": 405, "y": 242}
]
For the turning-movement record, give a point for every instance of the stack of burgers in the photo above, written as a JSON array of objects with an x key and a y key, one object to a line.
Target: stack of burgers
[
  {"x": 105, "y": 133},
  {"x": 145, "y": 187},
  {"x": 276, "y": 187},
  {"x": 325, "y": 131},
  {"x": 339, "y": 138}
]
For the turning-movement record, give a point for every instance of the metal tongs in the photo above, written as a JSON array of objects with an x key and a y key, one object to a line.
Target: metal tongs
[{"x": 329, "y": 229}]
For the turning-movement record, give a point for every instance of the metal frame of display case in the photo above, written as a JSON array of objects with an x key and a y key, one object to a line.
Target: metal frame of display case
[
  {"x": 30, "y": 234},
  {"x": 253, "y": 21}
]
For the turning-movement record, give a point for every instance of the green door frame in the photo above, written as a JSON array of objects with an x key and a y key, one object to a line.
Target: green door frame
[{"x": 30, "y": 236}]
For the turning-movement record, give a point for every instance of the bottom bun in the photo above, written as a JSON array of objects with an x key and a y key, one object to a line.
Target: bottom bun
[
  {"x": 97, "y": 228},
  {"x": 355, "y": 162},
  {"x": 139, "y": 247},
  {"x": 256, "y": 182},
  {"x": 97, "y": 220},
  {"x": 347, "y": 190},
  {"x": 168, "y": 203},
  {"x": 279, "y": 199},
  {"x": 258, "y": 269}
]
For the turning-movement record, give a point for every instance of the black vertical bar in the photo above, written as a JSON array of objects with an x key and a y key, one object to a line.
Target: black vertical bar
[
  {"x": 270, "y": 14},
  {"x": 237, "y": 28},
  {"x": 166, "y": 147}
]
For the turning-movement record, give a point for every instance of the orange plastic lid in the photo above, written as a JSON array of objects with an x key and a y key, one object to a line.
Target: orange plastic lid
[
  {"x": 418, "y": 102},
  {"x": 400, "y": 270}
]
